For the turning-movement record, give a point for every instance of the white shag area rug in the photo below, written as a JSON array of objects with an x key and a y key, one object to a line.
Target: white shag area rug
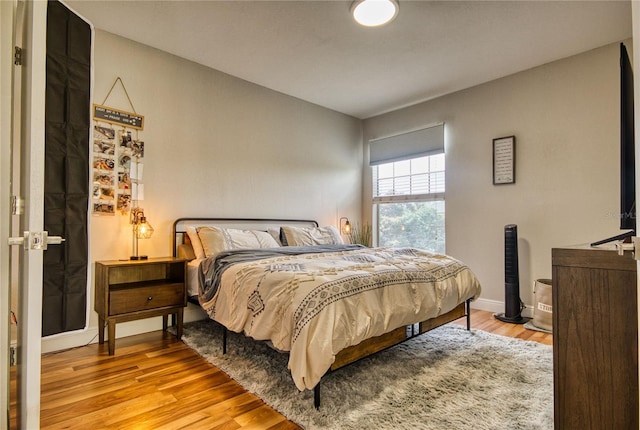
[{"x": 448, "y": 378}]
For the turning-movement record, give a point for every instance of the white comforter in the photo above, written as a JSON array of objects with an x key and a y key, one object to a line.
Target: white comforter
[{"x": 314, "y": 305}]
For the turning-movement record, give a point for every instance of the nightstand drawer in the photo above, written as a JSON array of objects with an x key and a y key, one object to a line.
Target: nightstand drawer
[
  {"x": 144, "y": 298},
  {"x": 138, "y": 273}
]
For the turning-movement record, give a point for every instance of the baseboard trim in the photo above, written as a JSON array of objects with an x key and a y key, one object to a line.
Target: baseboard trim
[
  {"x": 496, "y": 306},
  {"x": 89, "y": 335}
]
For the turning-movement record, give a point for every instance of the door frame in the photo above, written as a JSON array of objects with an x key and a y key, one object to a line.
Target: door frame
[
  {"x": 7, "y": 17},
  {"x": 32, "y": 186},
  {"x": 635, "y": 23},
  {"x": 28, "y": 25}
]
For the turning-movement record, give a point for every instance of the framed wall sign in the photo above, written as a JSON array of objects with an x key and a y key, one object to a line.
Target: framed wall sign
[
  {"x": 118, "y": 117},
  {"x": 504, "y": 160}
]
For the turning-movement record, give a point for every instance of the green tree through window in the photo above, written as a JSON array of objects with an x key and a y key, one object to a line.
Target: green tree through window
[{"x": 412, "y": 224}]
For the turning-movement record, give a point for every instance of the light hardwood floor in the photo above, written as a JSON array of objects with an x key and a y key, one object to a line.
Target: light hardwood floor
[{"x": 155, "y": 381}]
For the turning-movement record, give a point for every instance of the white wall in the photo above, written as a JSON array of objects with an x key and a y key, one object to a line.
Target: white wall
[
  {"x": 565, "y": 117},
  {"x": 216, "y": 145}
]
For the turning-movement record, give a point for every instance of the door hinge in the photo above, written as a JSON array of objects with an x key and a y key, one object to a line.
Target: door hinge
[
  {"x": 13, "y": 354},
  {"x": 17, "y": 56},
  {"x": 17, "y": 205}
]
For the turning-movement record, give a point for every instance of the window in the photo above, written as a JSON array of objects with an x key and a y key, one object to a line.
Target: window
[
  {"x": 409, "y": 198},
  {"x": 408, "y": 188}
]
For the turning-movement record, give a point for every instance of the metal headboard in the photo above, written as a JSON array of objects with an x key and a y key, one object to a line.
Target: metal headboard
[{"x": 180, "y": 225}]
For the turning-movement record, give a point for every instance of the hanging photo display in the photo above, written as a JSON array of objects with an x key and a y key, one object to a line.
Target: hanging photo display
[
  {"x": 129, "y": 166},
  {"x": 103, "y": 170},
  {"x": 117, "y": 158},
  {"x": 117, "y": 170}
]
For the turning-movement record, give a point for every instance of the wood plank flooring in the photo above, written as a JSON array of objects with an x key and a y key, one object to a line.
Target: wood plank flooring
[{"x": 155, "y": 381}]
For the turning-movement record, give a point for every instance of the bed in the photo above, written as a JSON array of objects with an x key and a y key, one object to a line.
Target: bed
[{"x": 327, "y": 304}]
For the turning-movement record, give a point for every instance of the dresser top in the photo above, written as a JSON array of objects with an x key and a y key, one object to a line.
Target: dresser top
[{"x": 598, "y": 257}]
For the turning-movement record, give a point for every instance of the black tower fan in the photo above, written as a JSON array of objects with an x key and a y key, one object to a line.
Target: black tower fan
[{"x": 512, "y": 302}]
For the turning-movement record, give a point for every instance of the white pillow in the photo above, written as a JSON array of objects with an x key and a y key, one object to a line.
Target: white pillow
[
  {"x": 195, "y": 242},
  {"x": 215, "y": 239},
  {"x": 275, "y": 233},
  {"x": 304, "y": 236}
]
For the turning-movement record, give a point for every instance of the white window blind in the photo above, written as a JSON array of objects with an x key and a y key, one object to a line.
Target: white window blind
[
  {"x": 418, "y": 143},
  {"x": 417, "y": 179}
]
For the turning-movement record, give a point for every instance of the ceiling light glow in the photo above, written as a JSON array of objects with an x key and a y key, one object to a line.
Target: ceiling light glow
[{"x": 373, "y": 13}]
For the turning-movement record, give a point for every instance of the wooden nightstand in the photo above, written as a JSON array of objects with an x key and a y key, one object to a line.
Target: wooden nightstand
[{"x": 131, "y": 290}]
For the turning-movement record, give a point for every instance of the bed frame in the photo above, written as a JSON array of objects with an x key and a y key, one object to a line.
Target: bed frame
[{"x": 348, "y": 355}]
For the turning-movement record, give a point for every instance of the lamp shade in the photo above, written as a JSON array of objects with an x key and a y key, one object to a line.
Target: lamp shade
[
  {"x": 143, "y": 229},
  {"x": 345, "y": 225}
]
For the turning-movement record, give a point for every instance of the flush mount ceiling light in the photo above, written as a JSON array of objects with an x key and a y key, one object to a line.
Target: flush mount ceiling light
[{"x": 373, "y": 13}]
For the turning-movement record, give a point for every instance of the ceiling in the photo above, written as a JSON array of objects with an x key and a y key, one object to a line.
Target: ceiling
[{"x": 314, "y": 51}]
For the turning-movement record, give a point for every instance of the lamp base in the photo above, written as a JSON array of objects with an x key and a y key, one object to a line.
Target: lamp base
[{"x": 138, "y": 257}]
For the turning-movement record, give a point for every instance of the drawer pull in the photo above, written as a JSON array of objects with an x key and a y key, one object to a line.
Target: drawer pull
[{"x": 149, "y": 298}]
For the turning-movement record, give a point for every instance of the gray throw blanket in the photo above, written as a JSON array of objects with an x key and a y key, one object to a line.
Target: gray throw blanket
[{"x": 211, "y": 270}]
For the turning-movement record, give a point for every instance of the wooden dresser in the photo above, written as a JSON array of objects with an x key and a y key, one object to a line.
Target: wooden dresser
[
  {"x": 595, "y": 339},
  {"x": 132, "y": 290}
]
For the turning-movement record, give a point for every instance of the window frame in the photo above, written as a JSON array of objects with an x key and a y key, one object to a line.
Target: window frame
[{"x": 377, "y": 201}]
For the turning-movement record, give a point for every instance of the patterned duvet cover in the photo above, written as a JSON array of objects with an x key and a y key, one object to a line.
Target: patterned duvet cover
[{"x": 315, "y": 301}]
